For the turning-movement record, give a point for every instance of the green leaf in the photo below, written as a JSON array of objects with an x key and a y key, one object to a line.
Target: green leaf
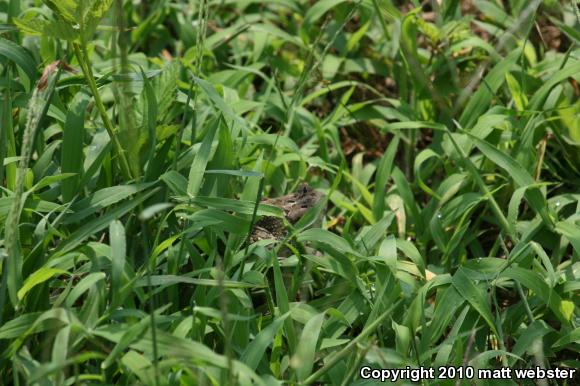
[
  {"x": 481, "y": 99},
  {"x": 166, "y": 280},
  {"x": 175, "y": 181},
  {"x": 118, "y": 253},
  {"x": 66, "y": 9},
  {"x": 421, "y": 158},
  {"x": 199, "y": 164},
  {"x": 303, "y": 360},
  {"x": 50, "y": 180},
  {"x": 530, "y": 336},
  {"x": 571, "y": 337},
  {"x": 573, "y": 68},
  {"x": 571, "y": 231},
  {"x": 283, "y": 304},
  {"x": 20, "y": 56},
  {"x": 520, "y": 99},
  {"x": 520, "y": 176},
  {"x": 50, "y": 28},
  {"x": 99, "y": 224},
  {"x": 38, "y": 277},
  {"x": 83, "y": 286},
  {"x": 18, "y": 326},
  {"x": 132, "y": 334},
  {"x": 562, "y": 309},
  {"x": 407, "y": 195},
  {"x": 473, "y": 294},
  {"x": 174, "y": 348},
  {"x": 219, "y": 102},
  {"x": 319, "y": 8},
  {"x": 103, "y": 199},
  {"x": 229, "y": 204},
  {"x": 325, "y": 237},
  {"x": 382, "y": 176},
  {"x": 72, "y": 145},
  {"x": 256, "y": 349}
]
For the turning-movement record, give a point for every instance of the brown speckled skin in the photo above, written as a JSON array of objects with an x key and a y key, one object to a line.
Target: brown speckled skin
[{"x": 294, "y": 205}]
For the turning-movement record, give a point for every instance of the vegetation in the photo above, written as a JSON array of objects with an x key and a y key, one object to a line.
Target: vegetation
[{"x": 137, "y": 138}]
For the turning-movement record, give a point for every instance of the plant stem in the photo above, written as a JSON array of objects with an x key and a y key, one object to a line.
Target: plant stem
[{"x": 80, "y": 53}]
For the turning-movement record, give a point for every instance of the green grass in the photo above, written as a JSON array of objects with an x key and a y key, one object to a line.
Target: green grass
[{"x": 444, "y": 135}]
